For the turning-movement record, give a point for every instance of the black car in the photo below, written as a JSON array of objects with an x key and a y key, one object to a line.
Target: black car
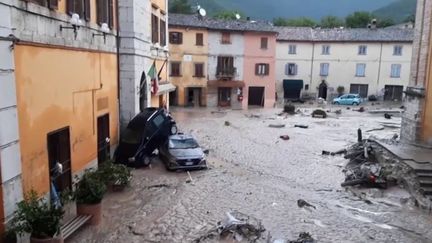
[
  {"x": 146, "y": 132},
  {"x": 182, "y": 152}
]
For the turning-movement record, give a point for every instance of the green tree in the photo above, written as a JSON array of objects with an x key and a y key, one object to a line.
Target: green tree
[
  {"x": 228, "y": 14},
  {"x": 179, "y": 6},
  {"x": 358, "y": 20},
  {"x": 381, "y": 23},
  {"x": 410, "y": 18},
  {"x": 331, "y": 22},
  {"x": 299, "y": 22}
]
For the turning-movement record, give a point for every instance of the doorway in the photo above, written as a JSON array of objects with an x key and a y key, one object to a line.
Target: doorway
[
  {"x": 59, "y": 159},
  {"x": 292, "y": 88},
  {"x": 224, "y": 97},
  {"x": 393, "y": 92},
  {"x": 193, "y": 98},
  {"x": 103, "y": 138},
  {"x": 322, "y": 93},
  {"x": 360, "y": 89},
  {"x": 256, "y": 96}
]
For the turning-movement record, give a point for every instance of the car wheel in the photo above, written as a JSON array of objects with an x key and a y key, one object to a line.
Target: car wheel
[
  {"x": 336, "y": 103},
  {"x": 146, "y": 161},
  {"x": 355, "y": 103}
]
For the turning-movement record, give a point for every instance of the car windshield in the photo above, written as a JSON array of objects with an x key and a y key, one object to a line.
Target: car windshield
[{"x": 182, "y": 143}]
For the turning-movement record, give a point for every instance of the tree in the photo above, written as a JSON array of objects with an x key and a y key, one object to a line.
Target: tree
[
  {"x": 410, "y": 18},
  {"x": 381, "y": 23},
  {"x": 331, "y": 22},
  {"x": 358, "y": 20},
  {"x": 299, "y": 22},
  {"x": 227, "y": 14},
  {"x": 180, "y": 6}
]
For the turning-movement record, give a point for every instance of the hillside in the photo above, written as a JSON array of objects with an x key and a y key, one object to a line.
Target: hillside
[
  {"x": 315, "y": 9},
  {"x": 398, "y": 11}
]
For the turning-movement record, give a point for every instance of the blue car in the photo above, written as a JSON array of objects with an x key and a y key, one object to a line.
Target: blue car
[{"x": 348, "y": 99}]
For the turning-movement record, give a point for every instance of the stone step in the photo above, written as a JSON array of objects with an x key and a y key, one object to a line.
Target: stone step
[
  {"x": 423, "y": 170},
  {"x": 424, "y": 175},
  {"x": 425, "y": 181}
]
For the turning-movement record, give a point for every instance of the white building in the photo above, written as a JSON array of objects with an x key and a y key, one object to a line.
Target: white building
[
  {"x": 143, "y": 42},
  {"x": 315, "y": 62}
]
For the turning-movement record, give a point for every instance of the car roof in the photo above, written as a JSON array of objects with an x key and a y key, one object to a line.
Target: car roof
[{"x": 181, "y": 136}]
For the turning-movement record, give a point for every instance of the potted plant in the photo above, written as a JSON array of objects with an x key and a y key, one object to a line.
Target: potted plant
[
  {"x": 340, "y": 90},
  {"x": 89, "y": 192},
  {"x": 116, "y": 176},
  {"x": 35, "y": 216}
]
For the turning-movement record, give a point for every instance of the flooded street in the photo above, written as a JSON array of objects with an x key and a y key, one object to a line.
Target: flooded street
[{"x": 255, "y": 172}]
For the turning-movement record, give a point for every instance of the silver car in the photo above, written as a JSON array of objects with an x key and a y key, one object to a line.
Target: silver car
[{"x": 182, "y": 152}]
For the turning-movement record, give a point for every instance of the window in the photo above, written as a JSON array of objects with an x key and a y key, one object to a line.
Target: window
[
  {"x": 325, "y": 50},
  {"x": 397, "y": 51},
  {"x": 362, "y": 50},
  {"x": 155, "y": 29},
  {"x": 59, "y": 156},
  {"x": 360, "y": 70},
  {"x": 262, "y": 69},
  {"x": 324, "y": 69},
  {"x": 105, "y": 12},
  {"x": 199, "y": 70},
  {"x": 264, "y": 42},
  {"x": 162, "y": 33},
  {"x": 306, "y": 86},
  {"x": 199, "y": 39},
  {"x": 175, "y": 69},
  {"x": 292, "y": 49},
  {"x": 291, "y": 69},
  {"x": 226, "y": 38},
  {"x": 80, "y": 7},
  {"x": 395, "y": 70},
  {"x": 52, "y": 4},
  {"x": 176, "y": 38}
]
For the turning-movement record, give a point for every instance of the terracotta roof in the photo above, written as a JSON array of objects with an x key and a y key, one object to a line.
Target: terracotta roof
[{"x": 183, "y": 20}]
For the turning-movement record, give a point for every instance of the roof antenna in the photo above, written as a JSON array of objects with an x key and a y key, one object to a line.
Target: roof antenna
[{"x": 201, "y": 12}]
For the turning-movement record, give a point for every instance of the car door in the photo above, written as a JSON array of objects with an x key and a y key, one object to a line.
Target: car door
[{"x": 344, "y": 99}]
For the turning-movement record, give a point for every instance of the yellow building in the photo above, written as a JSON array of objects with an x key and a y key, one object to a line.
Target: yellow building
[
  {"x": 59, "y": 93},
  {"x": 188, "y": 64}
]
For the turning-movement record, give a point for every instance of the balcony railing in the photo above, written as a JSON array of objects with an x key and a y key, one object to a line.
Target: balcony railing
[{"x": 225, "y": 72}]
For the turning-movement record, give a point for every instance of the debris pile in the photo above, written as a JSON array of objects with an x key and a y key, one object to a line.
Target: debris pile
[
  {"x": 304, "y": 237},
  {"x": 318, "y": 113},
  {"x": 236, "y": 227},
  {"x": 289, "y": 108}
]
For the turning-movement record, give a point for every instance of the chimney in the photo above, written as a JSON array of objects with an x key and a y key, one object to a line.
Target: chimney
[
  {"x": 373, "y": 24},
  {"x": 248, "y": 18}
]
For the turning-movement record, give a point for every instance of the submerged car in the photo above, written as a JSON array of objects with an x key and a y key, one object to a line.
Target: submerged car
[
  {"x": 182, "y": 152},
  {"x": 146, "y": 132},
  {"x": 348, "y": 99}
]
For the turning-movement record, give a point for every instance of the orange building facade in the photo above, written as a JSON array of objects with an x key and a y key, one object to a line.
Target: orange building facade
[{"x": 59, "y": 93}]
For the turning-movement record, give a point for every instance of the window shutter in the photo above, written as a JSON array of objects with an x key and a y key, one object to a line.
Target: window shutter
[
  {"x": 287, "y": 69},
  {"x": 99, "y": 11},
  {"x": 110, "y": 14},
  {"x": 70, "y": 6},
  {"x": 53, "y": 4},
  {"x": 267, "y": 69},
  {"x": 87, "y": 10},
  {"x": 295, "y": 69},
  {"x": 256, "y": 69},
  {"x": 180, "y": 38}
]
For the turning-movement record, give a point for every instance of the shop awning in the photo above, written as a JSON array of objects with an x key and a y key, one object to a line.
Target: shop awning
[
  {"x": 227, "y": 84},
  {"x": 165, "y": 88}
]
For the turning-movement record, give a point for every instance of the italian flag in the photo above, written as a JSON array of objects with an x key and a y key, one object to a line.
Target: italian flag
[{"x": 152, "y": 73}]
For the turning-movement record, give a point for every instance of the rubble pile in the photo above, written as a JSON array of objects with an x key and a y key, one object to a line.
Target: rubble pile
[{"x": 236, "y": 227}]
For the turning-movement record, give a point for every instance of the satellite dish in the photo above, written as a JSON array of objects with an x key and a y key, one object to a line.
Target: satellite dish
[
  {"x": 202, "y": 12},
  {"x": 237, "y": 16}
]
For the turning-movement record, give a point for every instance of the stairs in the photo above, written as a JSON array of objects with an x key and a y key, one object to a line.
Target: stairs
[{"x": 423, "y": 172}]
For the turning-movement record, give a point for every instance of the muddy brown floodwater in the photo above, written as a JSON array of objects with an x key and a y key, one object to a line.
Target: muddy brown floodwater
[{"x": 257, "y": 173}]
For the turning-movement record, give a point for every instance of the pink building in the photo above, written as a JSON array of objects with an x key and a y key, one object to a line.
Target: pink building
[{"x": 259, "y": 69}]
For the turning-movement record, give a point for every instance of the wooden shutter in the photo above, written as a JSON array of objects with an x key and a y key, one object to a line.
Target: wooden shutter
[
  {"x": 267, "y": 69},
  {"x": 87, "y": 11},
  {"x": 53, "y": 4},
  {"x": 70, "y": 8},
  {"x": 100, "y": 11},
  {"x": 264, "y": 41},
  {"x": 256, "y": 69},
  {"x": 199, "y": 39},
  {"x": 162, "y": 33},
  {"x": 110, "y": 14}
]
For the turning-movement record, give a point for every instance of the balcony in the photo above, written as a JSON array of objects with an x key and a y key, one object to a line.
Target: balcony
[{"x": 225, "y": 73}]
